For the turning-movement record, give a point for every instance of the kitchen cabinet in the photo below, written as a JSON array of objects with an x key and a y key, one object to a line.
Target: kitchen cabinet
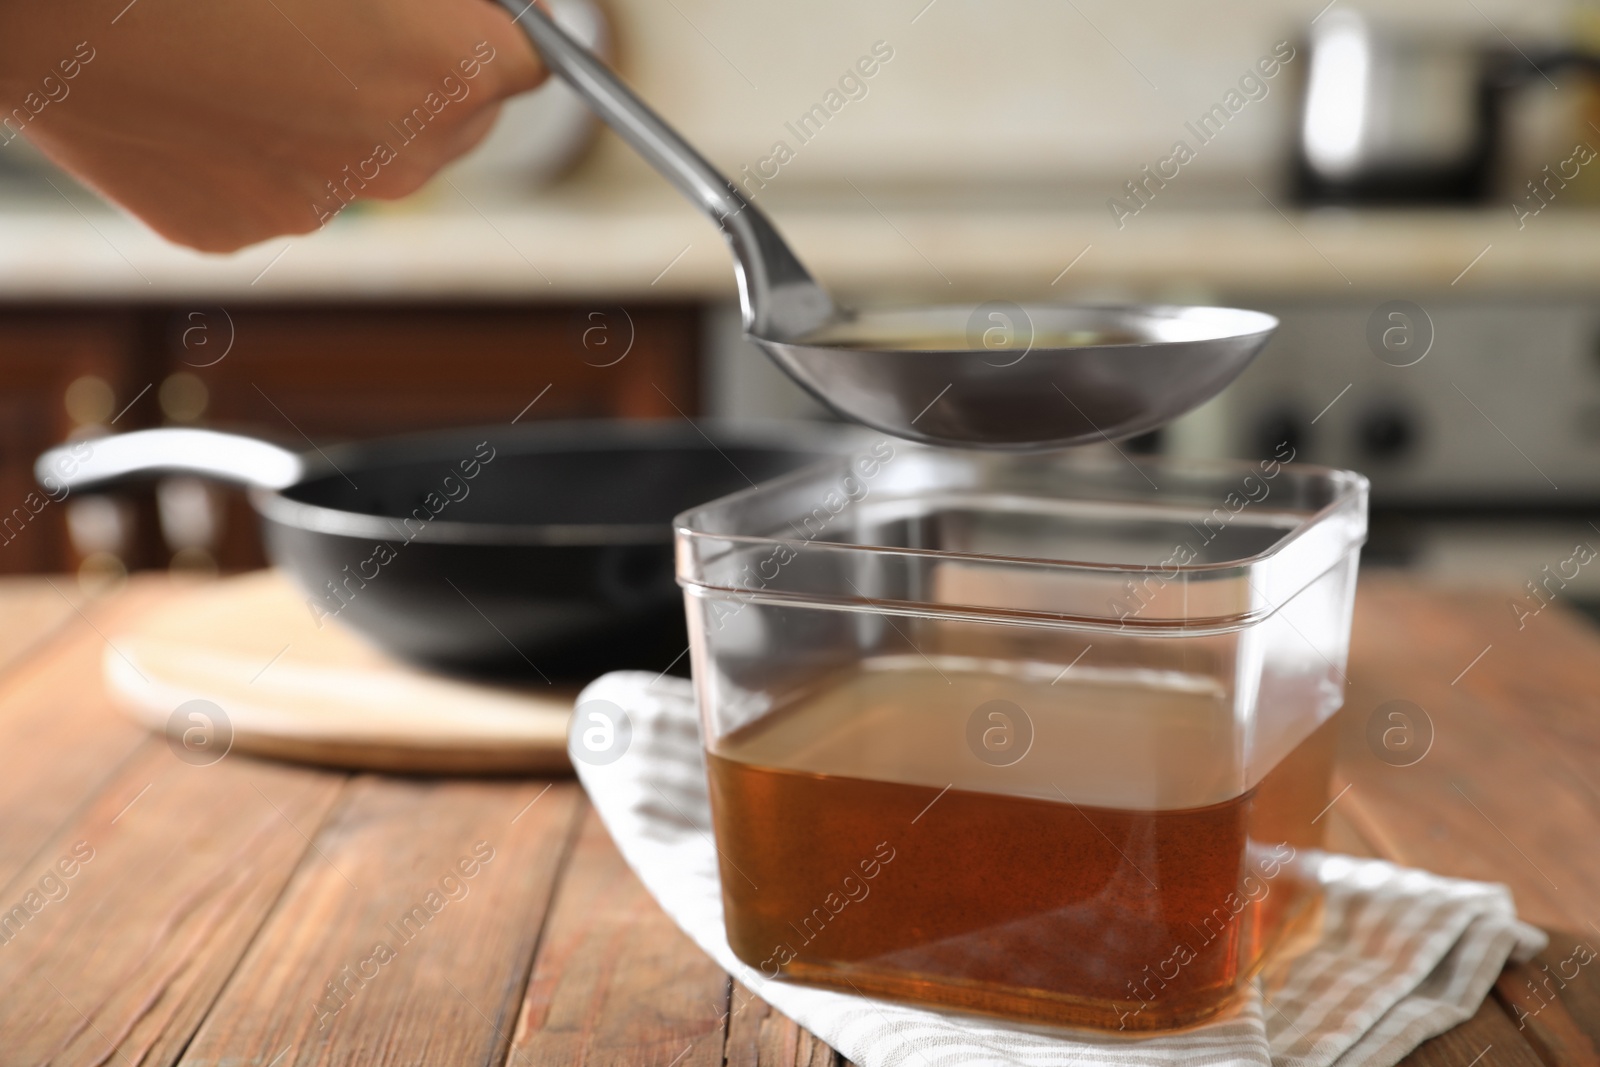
[
  {"x": 42, "y": 355},
  {"x": 308, "y": 377}
]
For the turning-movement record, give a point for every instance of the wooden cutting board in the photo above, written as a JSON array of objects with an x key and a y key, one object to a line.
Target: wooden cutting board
[{"x": 289, "y": 689}]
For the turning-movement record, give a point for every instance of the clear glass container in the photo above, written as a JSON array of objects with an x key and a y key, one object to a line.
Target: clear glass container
[{"x": 1045, "y": 737}]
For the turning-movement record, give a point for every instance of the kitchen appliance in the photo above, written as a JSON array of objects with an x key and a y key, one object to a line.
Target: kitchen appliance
[
  {"x": 990, "y": 376},
  {"x": 1495, "y": 407},
  {"x": 1071, "y": 733},
  {"x": 1392, "y": 117},
  {"x": 538, "y": 550}
]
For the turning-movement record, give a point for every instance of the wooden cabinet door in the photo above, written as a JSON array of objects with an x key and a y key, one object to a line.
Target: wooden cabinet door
[
  {"x": 341, "y": 374},
  {"x": 41, "y": 355}
]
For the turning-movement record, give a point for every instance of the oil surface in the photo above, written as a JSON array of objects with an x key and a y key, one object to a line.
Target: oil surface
[
  {"x": 886, "y": 338},
  {"x": 960, "y": 883}
]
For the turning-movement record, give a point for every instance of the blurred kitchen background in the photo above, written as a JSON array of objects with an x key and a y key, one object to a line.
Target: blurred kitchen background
[{"x": 1410, "y": 189}]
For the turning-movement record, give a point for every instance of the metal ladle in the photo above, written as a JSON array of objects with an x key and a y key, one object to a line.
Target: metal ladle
[{"x": 987, "y": 376}]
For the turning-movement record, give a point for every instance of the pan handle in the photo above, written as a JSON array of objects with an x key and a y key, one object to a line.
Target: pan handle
[{"x": 97, "y": 462}]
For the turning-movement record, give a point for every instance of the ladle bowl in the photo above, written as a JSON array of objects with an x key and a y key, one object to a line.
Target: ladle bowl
[
  {"x": 994, "y": 375},
  {"x": 1031, "y": 388}
]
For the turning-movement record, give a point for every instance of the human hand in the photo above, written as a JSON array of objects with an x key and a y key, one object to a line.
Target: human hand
[{"x": 224, "y": 124}]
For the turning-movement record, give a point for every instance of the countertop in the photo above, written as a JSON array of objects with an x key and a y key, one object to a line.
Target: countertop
[
  {"x": 210, "y": 906},
  {"x": 641, "y": 243}
]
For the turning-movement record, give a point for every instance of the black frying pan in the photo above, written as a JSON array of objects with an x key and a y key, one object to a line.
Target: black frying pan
[{"x": 543, "y": 549}]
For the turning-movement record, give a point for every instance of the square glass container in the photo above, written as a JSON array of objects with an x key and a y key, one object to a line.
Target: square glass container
[{"x": 1045, "y": 737}]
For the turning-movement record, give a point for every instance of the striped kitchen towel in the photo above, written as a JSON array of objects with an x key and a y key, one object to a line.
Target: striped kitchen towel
[{"x": 1403, "y": 954}]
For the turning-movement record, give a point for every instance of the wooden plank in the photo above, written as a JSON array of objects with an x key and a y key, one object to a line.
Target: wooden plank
[
  {"x": 1542, "y": 667},
  {"x": 1411, "y": 644},
  {"x": 406, "y": 935},
  {"x": 1488, "y": 1038},
  {"x": 60, "y": 738},
  {"x": 1343, "y": 836},
  {"x": 1555, "y": 1000},
  {"x": 615, "y": 982},
  {"x": 31, "y": 611},
  {"x": 758, "y": 1036},
  {"x": 1487, "y": 801},
  {"x": 119, "y": 935}
]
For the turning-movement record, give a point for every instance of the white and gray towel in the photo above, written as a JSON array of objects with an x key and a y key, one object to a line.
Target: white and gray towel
[{"x": 1403, "y": 954}]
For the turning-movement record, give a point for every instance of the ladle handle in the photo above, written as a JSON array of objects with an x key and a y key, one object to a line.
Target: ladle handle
[{"x": 778, "y": 295}]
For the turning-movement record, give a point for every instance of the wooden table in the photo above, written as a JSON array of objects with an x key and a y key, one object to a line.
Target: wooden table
[{"x": 228, "y": 913}]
